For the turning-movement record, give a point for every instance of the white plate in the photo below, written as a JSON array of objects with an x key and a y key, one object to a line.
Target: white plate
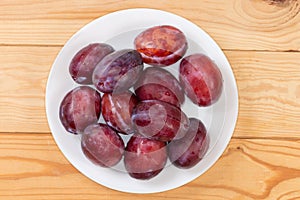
[{"x": 119, "y": 29}]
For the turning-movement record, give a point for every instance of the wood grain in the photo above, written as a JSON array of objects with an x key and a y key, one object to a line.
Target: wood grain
[
  {"x": 268, "y": 83},
  {"x": 234, "y": 24},
  {"x": 269, "y": 93},
  {"x": 23, "y": 77},
  {"x": 261, "y": 41},
  {"x": 32, "y": 167}
]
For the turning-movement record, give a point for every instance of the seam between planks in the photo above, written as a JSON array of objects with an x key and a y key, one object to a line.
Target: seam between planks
[
  {"x": 233, "y": 137},
  {"x": 223, "y": 49}
]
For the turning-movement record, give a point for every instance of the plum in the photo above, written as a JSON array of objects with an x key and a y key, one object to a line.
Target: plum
[
  {"x": 159, "y": 120},
  {"x": 117, "y": 108},
  {"x": 84, "y": 62},
  {"x": 144, "y": 158},
  {"x": 118, "y": 71},
  {"x": 189, "y": 150},
  {"x": 159, "y": 84},
  {"x": 80, "y": 108},
  {"x": 102, "y": 145},
  {"x": 161, "y": 45},
  {"x": 201, "y": 79}
]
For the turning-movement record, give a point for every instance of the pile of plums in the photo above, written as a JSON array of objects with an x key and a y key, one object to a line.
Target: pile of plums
[{"x": 141, "y": 103}]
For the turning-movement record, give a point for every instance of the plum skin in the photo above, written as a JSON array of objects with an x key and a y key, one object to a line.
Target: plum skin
[
  {"x": 144, "y": 158},
  {"x": 189, "y": 150},
  {"x": 201, "y": 79},
  {"x": 118, "y": 71},
  {"x": 161, "y": 45},
  {"x": 79, "y": 108},
  {"x": 159, "y": 84},
  {"x": 159, "y": 120},
  {"x": 102, "y": 145},
  {"x": 117, "y": 109},
  {"x": 85, "y": 60}
]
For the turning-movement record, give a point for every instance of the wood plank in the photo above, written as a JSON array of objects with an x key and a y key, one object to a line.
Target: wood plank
[
  {"x": 23, "y": 77},
  {"x": 268, "y": 82},
  {"x": 269, "y": 93},
  {"x": 32, "y": 167},
  {"x": 234, "y": 24}
]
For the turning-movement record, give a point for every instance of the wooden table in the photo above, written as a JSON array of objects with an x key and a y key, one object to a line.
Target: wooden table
[{"x": 261, "y": 39}]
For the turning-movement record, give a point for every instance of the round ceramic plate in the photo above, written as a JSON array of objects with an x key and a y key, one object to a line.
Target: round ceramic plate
[{"x": 119, "y": 30}]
